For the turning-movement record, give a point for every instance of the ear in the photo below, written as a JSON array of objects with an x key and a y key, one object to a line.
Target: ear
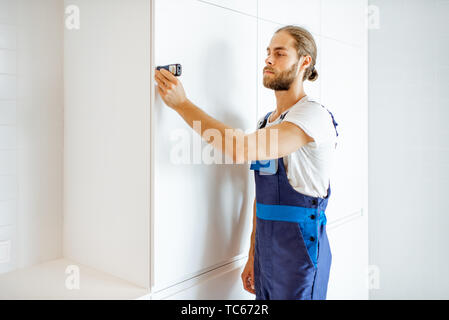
[
  {"x": 300, "y": 67},
  {"x": 307, "y": 60}
]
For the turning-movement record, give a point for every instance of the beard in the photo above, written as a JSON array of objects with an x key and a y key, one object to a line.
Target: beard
[{"x": 281, "y": 82}]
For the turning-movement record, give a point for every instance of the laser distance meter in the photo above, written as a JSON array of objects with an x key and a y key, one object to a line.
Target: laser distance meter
[{"x": 173, "y": 68}]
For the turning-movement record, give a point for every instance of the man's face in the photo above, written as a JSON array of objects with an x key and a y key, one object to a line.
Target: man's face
[{"x": 282, "y": 61}]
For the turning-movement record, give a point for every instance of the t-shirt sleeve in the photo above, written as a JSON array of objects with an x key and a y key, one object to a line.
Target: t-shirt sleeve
[{"x": 314, "y": 120}]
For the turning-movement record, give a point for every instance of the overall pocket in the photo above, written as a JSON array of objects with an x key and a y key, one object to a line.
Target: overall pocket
[{"x": 308, "y": 235}]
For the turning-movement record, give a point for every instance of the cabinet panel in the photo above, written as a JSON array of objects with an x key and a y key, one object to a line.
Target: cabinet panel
[
  {"x": 202, "y": 212},
  {"x": 227, "y": 286},
  {"x": 344, "y": 20},
  {"x": 247, "y": 6},
  {"x": 305, "y": 13}
]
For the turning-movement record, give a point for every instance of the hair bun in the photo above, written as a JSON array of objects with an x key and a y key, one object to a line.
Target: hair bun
[{"x": 313, "y": 75}]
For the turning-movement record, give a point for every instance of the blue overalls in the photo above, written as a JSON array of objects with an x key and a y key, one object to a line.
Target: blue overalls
[{"x": 292, "y": 256}]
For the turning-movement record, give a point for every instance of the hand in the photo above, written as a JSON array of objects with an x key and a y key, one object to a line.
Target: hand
[
  {"x": 170, "y": 88},
  {"x": 248, "y": 277}
]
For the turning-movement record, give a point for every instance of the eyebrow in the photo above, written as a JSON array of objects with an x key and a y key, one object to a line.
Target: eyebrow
[{"x": 278, "y": 48}]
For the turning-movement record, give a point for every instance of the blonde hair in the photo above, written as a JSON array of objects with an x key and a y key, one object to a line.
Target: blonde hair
[{"x": 304, "y": 45}]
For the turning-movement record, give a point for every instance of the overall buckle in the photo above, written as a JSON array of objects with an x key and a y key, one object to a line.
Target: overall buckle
[{"x": 264, "y": 166}]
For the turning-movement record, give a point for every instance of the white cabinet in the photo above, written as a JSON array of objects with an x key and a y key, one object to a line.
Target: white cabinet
[
  {"x": 202, "y": 212},
  {"x": 299, "y": 12}
]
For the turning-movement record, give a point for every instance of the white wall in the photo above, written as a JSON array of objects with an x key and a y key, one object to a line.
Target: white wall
[
  {"x": 409, "y": 154},
  {"x": 107, "y": 138},
  {"x": 31, "y": 130}
]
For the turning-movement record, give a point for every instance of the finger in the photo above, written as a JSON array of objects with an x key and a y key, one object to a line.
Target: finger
[
  {"x": 165, "y": 83},
  {"x": 163, "y": 74},
  {"x": 160, "y": 80},
  {"x": 156, "y": 78},
  {"x": 162, "y": 83},
  {"x": 161, "y": 91},
  {"x": 247, "y": 285},
  {"x": 245, "y": 282},
  {"x": 169, "y": 76},
  {"x": 248, "y": 288},
  {"x": 250, "y": 282}
]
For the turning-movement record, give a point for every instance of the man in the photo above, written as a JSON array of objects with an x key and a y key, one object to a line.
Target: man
[{"x": 290, "y": 256}]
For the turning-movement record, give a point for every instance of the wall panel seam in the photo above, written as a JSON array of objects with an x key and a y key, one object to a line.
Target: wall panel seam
[
  {"x": 201, "y": 273},
  {"x": 199, "y": 278},
  {"x": 345, "y": 219}
]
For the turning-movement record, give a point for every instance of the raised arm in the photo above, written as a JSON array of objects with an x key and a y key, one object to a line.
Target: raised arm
[{"x": 268, "y": 143}]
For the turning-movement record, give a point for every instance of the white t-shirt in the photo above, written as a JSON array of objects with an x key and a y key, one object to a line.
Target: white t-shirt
[{"x": 308, "y": 169}]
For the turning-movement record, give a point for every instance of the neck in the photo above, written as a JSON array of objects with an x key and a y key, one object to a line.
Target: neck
[{"x": 286, "y": 99}]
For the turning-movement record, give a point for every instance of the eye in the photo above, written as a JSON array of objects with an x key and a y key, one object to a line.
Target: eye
[{"x": 278, "y": 54}]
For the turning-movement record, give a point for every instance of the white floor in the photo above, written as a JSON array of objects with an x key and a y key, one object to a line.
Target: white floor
[{"x": 48, "y": 281}]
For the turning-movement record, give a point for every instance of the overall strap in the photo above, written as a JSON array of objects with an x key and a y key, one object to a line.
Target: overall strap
[
  {"x": 335, "y": 127},
  {"x": 262, "y": 123},
  {"x": 333, "y": 122},
  {"x": 266, "y": 166}
]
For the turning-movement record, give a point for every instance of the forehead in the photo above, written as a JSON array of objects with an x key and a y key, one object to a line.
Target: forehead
[{"x": 281, "y": 41}]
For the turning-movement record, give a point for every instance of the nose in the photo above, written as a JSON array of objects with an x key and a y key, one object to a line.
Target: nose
[{"x": 268, "y": 60}]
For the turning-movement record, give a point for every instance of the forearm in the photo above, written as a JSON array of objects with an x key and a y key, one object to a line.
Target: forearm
[
  {"x": 253, "y": 234},
  {"x": 270, "y": 143},
  {"x": 224, "y": 138},
  {"x": 234, "y": 143}
]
